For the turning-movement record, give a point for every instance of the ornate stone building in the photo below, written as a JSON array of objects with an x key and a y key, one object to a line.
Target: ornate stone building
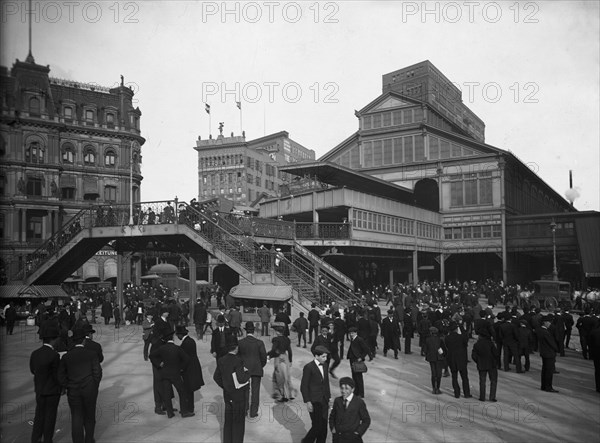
[{"x": 64, "y": 145}]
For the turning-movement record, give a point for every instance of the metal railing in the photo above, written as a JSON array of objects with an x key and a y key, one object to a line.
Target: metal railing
[
  {"x": 328, "y": 231},
  {"x": 229, "y": 237}
]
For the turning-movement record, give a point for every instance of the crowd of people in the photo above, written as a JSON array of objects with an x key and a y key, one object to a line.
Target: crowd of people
[{"x": 444, "y": 318}]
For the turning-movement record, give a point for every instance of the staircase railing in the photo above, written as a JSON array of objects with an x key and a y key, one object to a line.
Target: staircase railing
[{"x": 52, "y": 245}]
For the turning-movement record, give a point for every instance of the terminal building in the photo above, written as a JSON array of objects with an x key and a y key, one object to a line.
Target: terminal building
[
  {"x": 425, "y": 197},
  {"x": 64, "y": 145}
]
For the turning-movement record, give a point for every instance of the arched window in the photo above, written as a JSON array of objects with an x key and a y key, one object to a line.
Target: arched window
[
  {"x": 68, "y": 153},
  {"x": 110, "y": 158},
  {"x": 34, "y": 106},
  {"x": 110, "y": 120},
  {"x": 35, "y": 152},
  {"x": 89, "y": 156}
]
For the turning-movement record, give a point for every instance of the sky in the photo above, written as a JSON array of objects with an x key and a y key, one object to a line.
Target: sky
[{"x": 529, "y": 70}]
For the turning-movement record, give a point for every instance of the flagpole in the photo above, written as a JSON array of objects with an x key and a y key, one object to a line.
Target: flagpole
[
  {"x": 131, "y": 184},
  {"x": 241, "y": 124}
]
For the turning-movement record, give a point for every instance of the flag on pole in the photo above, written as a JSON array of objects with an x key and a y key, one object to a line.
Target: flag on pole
[
  {"x": 207, "y": 108},
  {"x": 239, "y": 105}
]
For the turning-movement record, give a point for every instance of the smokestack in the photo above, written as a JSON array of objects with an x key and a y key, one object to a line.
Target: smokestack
[
  {"x": 570, "y": 179},
  {"x": 571, "y": 193}
]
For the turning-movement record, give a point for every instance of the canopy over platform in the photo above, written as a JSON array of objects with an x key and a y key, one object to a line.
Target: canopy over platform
[
  {"x": 39, "y": 291},
  {"x": 262, "y": 292}
]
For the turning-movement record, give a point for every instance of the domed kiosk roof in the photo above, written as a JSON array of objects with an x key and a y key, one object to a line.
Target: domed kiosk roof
[{"x": 163, "y": 268}]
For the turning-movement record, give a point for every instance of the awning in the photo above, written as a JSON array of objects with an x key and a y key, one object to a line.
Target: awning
[
  {"x": 110, "y": 269},
  {"x": 39, "y": 291},
  {"x": 150, "y": 277},
  {"x": 90, "y": 269},
  {"x": 262, "y": 292},
  {"x": 588, "y": 237}
]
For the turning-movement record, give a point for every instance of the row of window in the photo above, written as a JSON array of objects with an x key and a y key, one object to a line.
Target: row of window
[
  {"x": 475, "y": 190},
  {"x": 34, "y": 187},
  {"x": 392, "y": 118},
  {"x": 443, "y": 149},
  {"x": 89, "y": 115},
  {"x": 36, "y": 153},
  {"x": 383, "y": 223},
  {"x": 393, "y": 151},
  {"x": 473, "y": 232}
]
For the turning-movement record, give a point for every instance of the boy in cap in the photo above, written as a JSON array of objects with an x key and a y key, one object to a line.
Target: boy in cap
[
  {"x": 314, "y": 387},
  {"x": 349, "y": 418},
  {"x": 43, "y": 364}
]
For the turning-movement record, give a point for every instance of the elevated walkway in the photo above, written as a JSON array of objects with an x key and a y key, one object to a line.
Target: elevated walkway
[{"x": 185, "y": 229}]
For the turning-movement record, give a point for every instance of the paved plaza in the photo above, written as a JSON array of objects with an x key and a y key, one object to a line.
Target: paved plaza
[{"x": 397, "y": 394}]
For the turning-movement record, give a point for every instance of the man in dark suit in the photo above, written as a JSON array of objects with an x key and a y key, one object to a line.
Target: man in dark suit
[
  {"x": 456, "y": 344},
  {"x": 43, "y": 364},
  {"x": 79, "y": 371},
  {"x": 314, "y": 387},
  {"x": 171, "y": 361},
  {"x": 390, "y": 330},
  {"x": 218, "y": 341},
  {"x": 349, "y": 418},
  {"x": 326, "y": 340},
  {"x": 510, "y": 343},
  {"x": 90, "y": 344},
  {"x": 160, "y": 329},
  {"x": 357, "y": 351},
  {"x": 11, "y": 317},
  {"x": 594, "y": 348},
  {"x": 233, "y": 378},
  {"x": 254, "y": 355},
  {"x": 339, "y": 333},
  {"x": 548, "y": 348},
  {"x": 485, "y": 354},
  {"x": 192, "y": 375},
  {"x": 313, "y": 322}
]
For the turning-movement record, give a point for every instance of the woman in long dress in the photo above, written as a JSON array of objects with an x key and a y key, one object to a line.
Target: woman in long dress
[{"x": 281, "y": 354}]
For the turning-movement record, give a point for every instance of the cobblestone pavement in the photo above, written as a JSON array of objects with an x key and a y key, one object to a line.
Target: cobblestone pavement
[{"x": 398, "y": 396}]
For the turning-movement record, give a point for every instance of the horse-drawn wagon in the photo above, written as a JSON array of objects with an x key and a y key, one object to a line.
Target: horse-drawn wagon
[{"x": 549, "y": 294}]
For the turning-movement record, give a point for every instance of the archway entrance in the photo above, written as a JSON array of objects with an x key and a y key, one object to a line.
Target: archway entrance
[{"x": 427, "y": 194}]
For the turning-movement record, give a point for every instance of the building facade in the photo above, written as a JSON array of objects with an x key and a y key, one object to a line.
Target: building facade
[
  {"x": 64, "y": 145},
  {"x": 243, "y": 171},
  {"x": 419, "y": 136}
]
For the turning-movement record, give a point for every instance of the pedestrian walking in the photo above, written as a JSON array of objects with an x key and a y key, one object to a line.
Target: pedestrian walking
[
  {"x": 253, "y": 353},
  {"x": 485, "y": 355},
  {"x": 435, "y": 354},
  {"x": 43, "y": 364},
  {"x": 231, "y": 376},
  {"x": 80, "y": 373},
  {"x": 314, "y": 387}
]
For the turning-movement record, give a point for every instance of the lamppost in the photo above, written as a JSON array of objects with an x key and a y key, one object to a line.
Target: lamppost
[{"x": 554, "y": 270}]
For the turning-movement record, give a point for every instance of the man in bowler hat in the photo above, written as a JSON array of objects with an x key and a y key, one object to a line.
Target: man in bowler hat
[
  {"x": 192, "y": 375},
  {"x": 254, "y": 354},
  {"x": 234, "y": 379}
]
